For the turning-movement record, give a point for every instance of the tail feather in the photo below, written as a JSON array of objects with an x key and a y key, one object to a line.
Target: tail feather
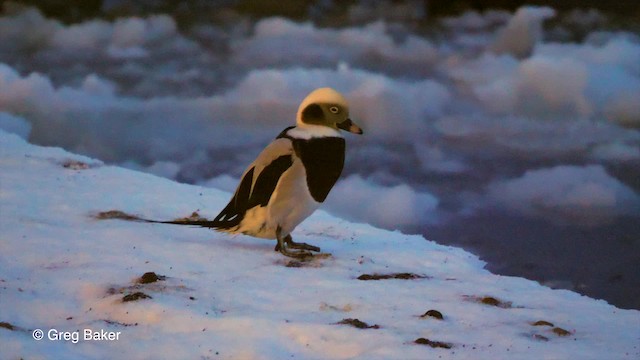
[
  {"x": 200, "y": 223},
  {"x": 121, "y": 215}
]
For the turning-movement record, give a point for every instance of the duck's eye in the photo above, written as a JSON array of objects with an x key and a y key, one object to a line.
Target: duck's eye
[{"x": 334, "y": 109}]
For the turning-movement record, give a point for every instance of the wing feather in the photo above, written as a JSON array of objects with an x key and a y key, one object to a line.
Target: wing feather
[{"x": 257, "y": 184}]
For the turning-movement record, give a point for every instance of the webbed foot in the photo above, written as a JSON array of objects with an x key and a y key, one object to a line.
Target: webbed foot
[{"x": 287, "y": 247}]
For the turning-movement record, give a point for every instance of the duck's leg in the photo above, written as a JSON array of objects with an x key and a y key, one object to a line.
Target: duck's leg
[
  {"x": 296, "y": 245},
  {"x": 282, "y": 246}
]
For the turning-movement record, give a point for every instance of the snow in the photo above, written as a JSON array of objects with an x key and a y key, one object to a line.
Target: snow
[
  {"x": 354, "y": 198},
  {"x": 233, "y": 297},
  {"x": 370, "y": 46},
  {"x": 584, "y": 194},
  {"x": 523, "y": 31}
]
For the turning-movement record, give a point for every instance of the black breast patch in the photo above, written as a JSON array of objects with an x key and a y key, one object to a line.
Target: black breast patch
[{"x": 323, "y": 160}]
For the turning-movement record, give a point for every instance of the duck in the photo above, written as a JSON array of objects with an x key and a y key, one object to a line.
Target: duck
[{"x": 292, "y": 176}]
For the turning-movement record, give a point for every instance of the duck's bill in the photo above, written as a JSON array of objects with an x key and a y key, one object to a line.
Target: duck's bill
[{"x": 349, "y": 126}]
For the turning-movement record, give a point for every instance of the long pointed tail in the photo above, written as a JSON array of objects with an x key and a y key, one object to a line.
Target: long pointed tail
[{"x": 193, "y": 220}]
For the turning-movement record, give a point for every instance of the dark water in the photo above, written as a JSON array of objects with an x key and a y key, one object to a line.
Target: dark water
[{"x": 601, "y": 262}]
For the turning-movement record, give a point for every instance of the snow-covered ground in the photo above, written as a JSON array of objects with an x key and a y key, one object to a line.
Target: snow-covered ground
[{"x": 63, "y": 270}]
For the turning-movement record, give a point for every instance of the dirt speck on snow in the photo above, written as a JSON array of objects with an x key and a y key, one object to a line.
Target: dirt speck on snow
[
  {"x": 6, "y": 325},
  {"x": 357, "y": 324},
  {"x": 542, "y": 323},
  {"x": 433, "y": 344},
  {"x": 489, "y": 300},
  {"x": 114, "y": 214},
  {"x": 433, "y": 313},
  {"x": 77, "y": 165},
  {"x": 150, "y": 277},
  {"x": 401, "y": 276},
  {"x": 560, "y": 331},
  {"x": 135, "y": 296}
]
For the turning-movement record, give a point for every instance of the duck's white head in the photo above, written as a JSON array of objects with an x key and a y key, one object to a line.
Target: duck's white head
[{"x": 326, "y": 107}]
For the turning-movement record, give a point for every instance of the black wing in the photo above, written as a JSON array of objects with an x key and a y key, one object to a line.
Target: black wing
[{"x": 246, "y": 198}]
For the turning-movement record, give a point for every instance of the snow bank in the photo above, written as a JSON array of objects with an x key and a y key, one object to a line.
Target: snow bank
[
  {"x": 281, "y": 42},
  {"x": 581, "y": 194},
  {"x": 116, "y": 38},
  {"x": 357, "y": 199},
  {"x": 523, "y": 31}
]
